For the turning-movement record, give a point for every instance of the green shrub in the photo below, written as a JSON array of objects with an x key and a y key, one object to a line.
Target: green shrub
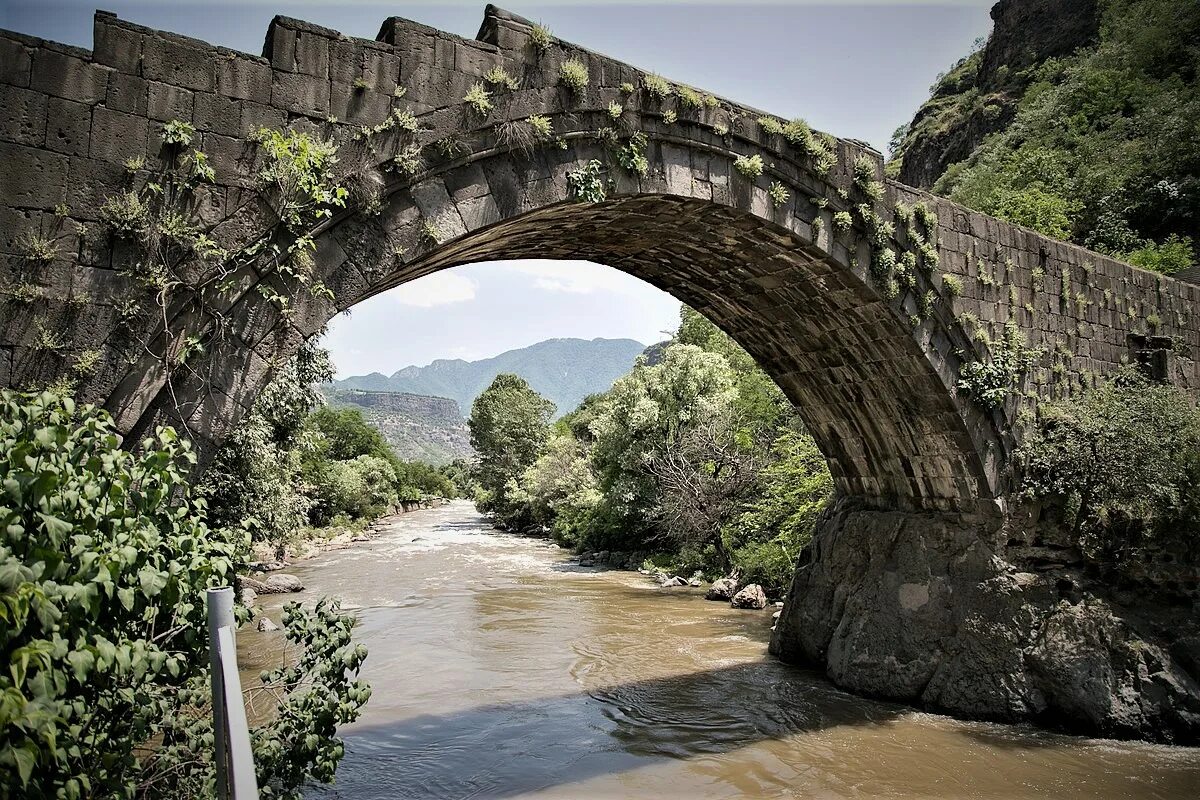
[
  {"x": 1123, "y": 459},
  {"x": 103, "y": 567},
  {"x": 573, "y": 74},
  {"x": 749, "y": 166},
  {"x": 539, "y": 36},
  {"x": 657, "y": 87},
  {"x": 479, "y": 99},
  {"x": 1175, "y": 253}
]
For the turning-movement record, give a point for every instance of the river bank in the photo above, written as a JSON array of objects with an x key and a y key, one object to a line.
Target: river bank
[{"x": 502, "y": 668}]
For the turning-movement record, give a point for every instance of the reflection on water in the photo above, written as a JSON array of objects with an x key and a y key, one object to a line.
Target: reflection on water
[{"x": 502, "y": 671}]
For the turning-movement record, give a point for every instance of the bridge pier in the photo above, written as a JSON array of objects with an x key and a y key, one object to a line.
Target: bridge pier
[{"x": 926, "y": 609}]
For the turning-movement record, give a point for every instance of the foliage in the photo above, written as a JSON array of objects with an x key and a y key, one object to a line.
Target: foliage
[
  {"x": 540, "y": 36},
  {"x": 689, "y": 98},
  {"x": 749, "y": 166},
  {"x": 498, "y": 76},
  {"x": 657, "y": 87},
  {"x": 631, "y": 156},
  {"x": 509, "y": 425},
  {"x": 541, "y": 126},
  {"x": 102, "y": 578},
  {"x": 669, "y": 116},
  {"x": 1123, "y": 460},
  {"x": 573, "y": 74},
  {"x": 778, "y": 193},
  {"x": 952, "y": 284},
  {"x": 586, "y": 182},
  {"x": 479, "y": 99},
  {"x": 991, "y": 382},
  {"x": 615, "y": 110},
  {"x": 254, "y": 477},
  {"x": 1175, "y": 253},
  {"x": 178, "y": 133},
  {"x": 37, "y": 248},
  {"x": 1104, "y": 147}
]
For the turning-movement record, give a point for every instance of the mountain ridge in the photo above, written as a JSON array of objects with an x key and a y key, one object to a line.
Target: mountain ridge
[{"x": 564, "y": 370}]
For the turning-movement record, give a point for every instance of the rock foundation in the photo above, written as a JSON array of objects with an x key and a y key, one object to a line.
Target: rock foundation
[{"x": 925, "y": 609}]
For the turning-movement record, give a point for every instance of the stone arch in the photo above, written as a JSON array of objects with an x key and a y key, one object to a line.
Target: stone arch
[{"x": 876, "y": 391}]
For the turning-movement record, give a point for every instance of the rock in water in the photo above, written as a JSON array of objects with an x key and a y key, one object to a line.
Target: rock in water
[
  {"x": 266, "y": 626},
  {"x": 674, "y": 581},
  {"x": 274, "y": 584},
  {"x": 723, "y": 589},
  {"x": 752, "y": 596},
  {"x": 248, "y": 596}
]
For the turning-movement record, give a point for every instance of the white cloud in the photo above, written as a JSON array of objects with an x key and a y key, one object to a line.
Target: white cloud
[
  {"x": 575, "y": 277},
  {"x": 438, "y": 289}
]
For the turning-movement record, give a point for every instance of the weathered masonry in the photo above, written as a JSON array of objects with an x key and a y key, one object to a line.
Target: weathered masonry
[{"x": 148, "y": 266}]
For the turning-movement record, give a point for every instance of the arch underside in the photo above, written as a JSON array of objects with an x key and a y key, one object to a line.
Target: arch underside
[{"x": 891, "y": 431}]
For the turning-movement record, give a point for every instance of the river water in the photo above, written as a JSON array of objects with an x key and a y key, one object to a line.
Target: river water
[{"x": 502, "y": 670}]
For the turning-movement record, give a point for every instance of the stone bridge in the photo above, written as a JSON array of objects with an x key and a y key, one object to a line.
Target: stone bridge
[{"x": 169, "y": 294}]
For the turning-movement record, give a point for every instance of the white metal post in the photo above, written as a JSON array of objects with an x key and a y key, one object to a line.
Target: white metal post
[{"x": 220, "y": 615}]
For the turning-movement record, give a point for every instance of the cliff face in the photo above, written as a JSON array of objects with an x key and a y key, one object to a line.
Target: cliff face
[
  {"x": 418, "y": 427},
  {"x": 979, "y": 95}
]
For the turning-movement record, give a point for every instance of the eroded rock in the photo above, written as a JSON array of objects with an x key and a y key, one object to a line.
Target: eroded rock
[
  {"x": 752, "y": 596},
  {"x": 721, "y": 589}
]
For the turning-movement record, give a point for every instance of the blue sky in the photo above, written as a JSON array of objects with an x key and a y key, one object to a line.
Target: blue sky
[{"x": 856, "y": 70}]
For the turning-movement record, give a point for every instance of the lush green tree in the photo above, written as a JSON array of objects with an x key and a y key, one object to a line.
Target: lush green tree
[
  {"x": 510, "y": 424},
  {"x": 779, "y": 520},
  {"x": 561, "y": 489},
  {"x": 645, "y": 412},
  {"x": 1104, "y": 147},
  {"x": 344, "y": 433}
]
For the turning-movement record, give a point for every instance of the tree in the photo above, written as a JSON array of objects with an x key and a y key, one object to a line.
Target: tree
[
  {"x": 509, "y": 424},
  {"x": 704, "y": 475},
  {"x": 561, "y": 488},
  {"x": 645, "y": 412}
]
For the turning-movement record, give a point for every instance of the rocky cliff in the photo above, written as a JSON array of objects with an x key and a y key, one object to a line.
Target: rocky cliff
[
  {"x": 418, "y": 427},
  {"x": 979, "y": 95}
]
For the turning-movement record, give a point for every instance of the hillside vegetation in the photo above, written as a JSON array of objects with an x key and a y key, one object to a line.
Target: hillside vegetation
[{"x": 1099, "y": 145}]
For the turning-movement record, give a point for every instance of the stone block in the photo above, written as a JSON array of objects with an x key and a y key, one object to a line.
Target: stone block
[
  {"x": 179, "y": 64},
  {"x": 219, "y": 114},
  {"x": 312, "y": 54},
  {"x": 67, "y": 76},
  {"x": 300, "y": 94},
  {"x": 359, "y": 106},
  {"x": 116, "y": 46},
  {"x": 16, "y": 62},
  {"x": 68, "y": 127},
  {"x": 22, "y": 116},
  {"x": 117, "y": 137},
  {"x": 165, "y": 102},
  {"x": 244, "y": 79},
  {"x": 32, "y": 178},
  {"x": 256, "y": 115},
  {"x": 91, "y": 182},
  {"x": 126, "y": 93}
]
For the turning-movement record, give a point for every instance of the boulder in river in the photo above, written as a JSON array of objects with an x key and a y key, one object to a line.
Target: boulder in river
[
  {"x": 752, "y": 596},
  {"x": 266, "y": 626},
  {"x": 674, "y": 580},
  {"x": 723, "y": 589},
  {"x": 276, "y": 583}
]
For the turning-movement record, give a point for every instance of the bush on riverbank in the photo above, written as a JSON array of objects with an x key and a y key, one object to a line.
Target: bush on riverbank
[
  {"x": 294, "y": 465},
  {"x": 104, "y": 559}
]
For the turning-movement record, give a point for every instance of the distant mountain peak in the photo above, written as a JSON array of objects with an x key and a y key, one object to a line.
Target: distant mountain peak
[{"x": 564, "y": 370}]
